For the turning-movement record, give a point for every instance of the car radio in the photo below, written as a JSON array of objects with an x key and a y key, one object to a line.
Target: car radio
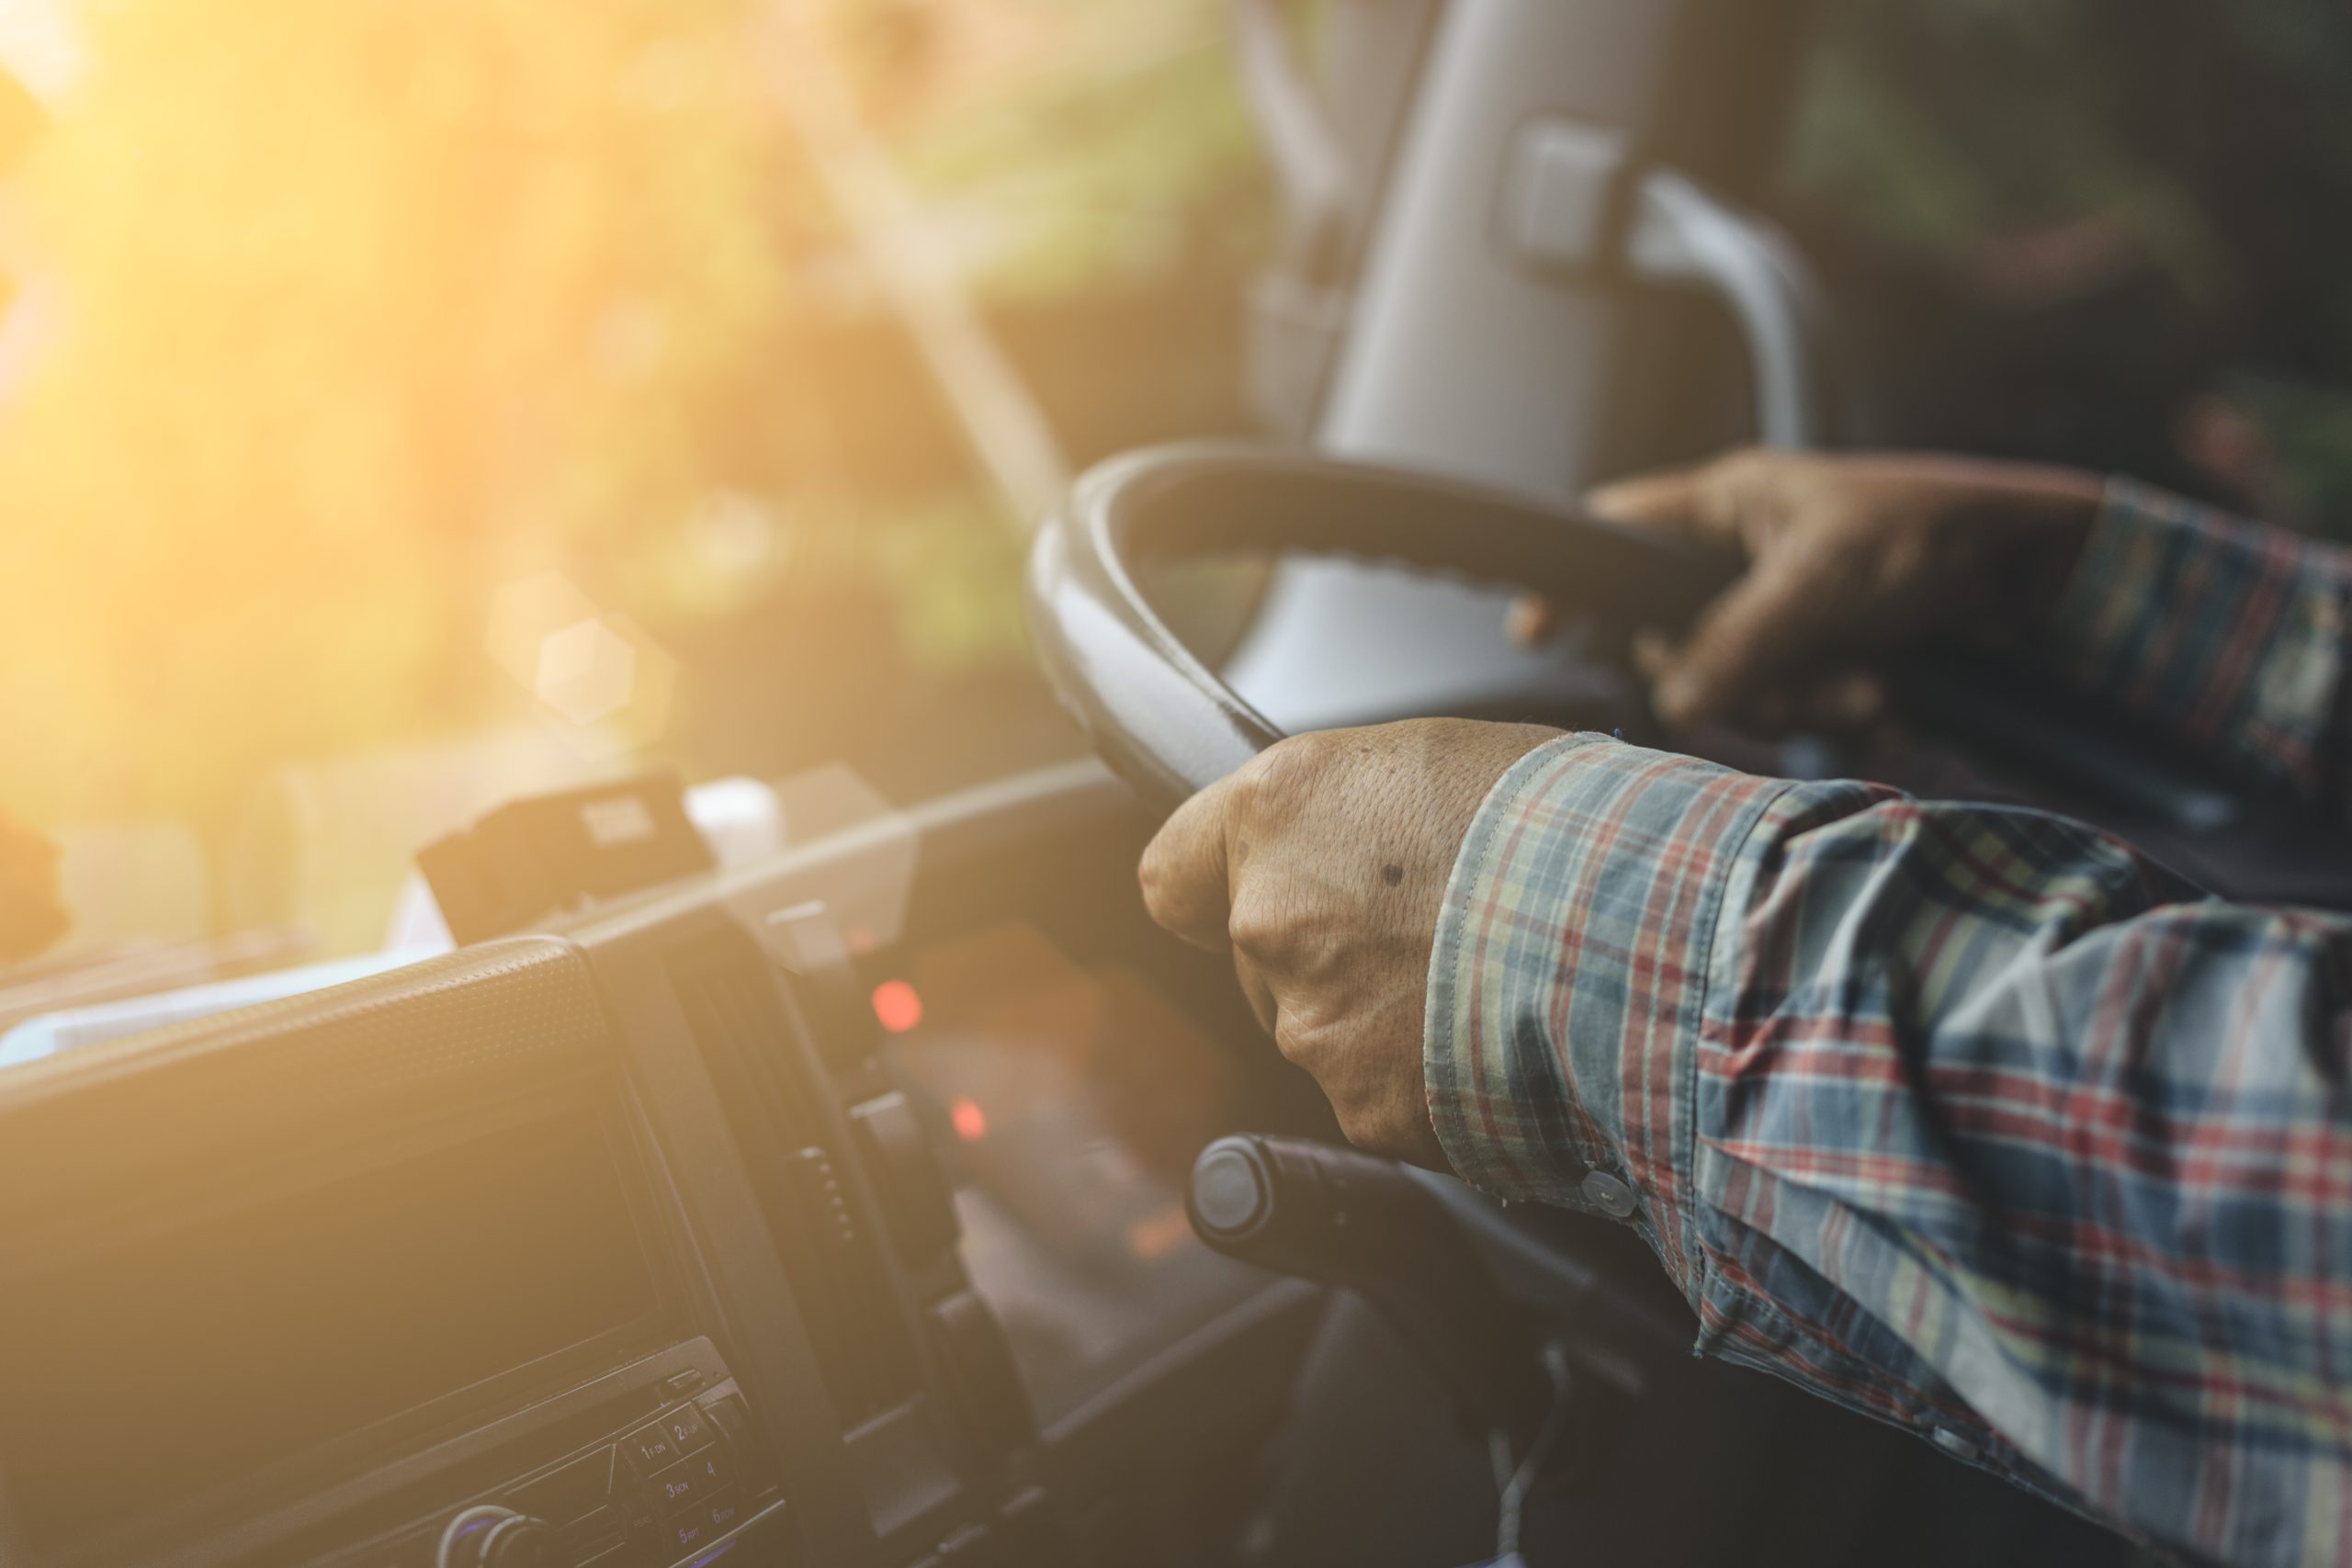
[
  {"x": 426, "y": 1309},
  {"x": 678, "y": 1472}
]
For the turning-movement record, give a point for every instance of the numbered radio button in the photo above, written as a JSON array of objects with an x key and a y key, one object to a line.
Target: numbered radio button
[
  {"x": 687, "y": 1428},
  {"x": 685, "y": 1533},
  {"x": 649, "y": 1449},
  {"x": 676, "y": 1489},
  {"x": 725, "y": 1512},
  {"x": 711, "y": 1469}
]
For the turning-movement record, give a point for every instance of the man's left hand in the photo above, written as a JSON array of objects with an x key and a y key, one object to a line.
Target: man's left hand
[{"x": 1322, "y": 867}]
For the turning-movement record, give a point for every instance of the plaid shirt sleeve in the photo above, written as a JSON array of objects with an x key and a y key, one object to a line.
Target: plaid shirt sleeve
[
  {"x": 2227, "y": 634},
  {"x": 1965, "y": 1117}
]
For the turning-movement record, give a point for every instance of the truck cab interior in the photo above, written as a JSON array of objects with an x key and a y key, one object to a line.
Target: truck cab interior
[{"x": 899, "y": 1195}]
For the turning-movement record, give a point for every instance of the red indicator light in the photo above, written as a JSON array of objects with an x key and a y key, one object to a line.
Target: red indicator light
[
  {"x": 897, "y": 1005},
  {"x": 971, "y": 1121}
]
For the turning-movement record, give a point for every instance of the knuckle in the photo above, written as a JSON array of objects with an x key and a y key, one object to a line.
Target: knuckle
[
  {"x": 1162, "y": 879},
  {"x": 1306, "y": 1034},
  {"x": 1264, "y": 781},
  {"x": 1286, "y": 765},
  {"x": 1151, "y": 871},
  {"x": 1158, "y": 888},
  {"x": 1258, "y": 925}
]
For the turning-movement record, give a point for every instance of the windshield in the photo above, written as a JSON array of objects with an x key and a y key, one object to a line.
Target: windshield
[{"x": 405, "y": 408}]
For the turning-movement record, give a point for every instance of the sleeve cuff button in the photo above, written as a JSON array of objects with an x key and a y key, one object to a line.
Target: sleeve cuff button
[
  {"x": 1610, "y": 1194},
  {"x": 1958, "y": 1447}
]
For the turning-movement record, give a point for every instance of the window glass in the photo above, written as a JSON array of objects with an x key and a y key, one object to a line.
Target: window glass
[{"x": 2108, "y": 231}]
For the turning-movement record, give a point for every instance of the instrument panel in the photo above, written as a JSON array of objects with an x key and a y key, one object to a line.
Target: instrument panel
[
  {"x": 157, "y": 1337},
  {"x": 651, "y": 1240}
]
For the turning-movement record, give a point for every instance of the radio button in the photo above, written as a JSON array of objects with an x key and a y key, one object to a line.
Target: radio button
[
  {"x": 649, "y": 1449},
  {"x": 685, "y": 1533},
  {"x": 711, "y": 1469},
  {"x": 725, "y": 1512},
  {"x": 676, "y": 1488},
  {"x": 686, "y": 1427}
]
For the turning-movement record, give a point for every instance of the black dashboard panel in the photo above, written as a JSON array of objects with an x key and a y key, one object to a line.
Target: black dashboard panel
[
  {"x": 640, "y": 1243},
  {"x": 1063, "y": 1104},
  {"x": 312, "y": 1290}
]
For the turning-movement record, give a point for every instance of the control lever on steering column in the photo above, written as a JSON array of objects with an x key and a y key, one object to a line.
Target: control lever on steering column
[{"x": 1367, "y": 1224}]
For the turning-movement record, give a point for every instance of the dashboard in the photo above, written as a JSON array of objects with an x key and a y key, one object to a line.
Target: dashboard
[{"x": 829, "y": 1211}]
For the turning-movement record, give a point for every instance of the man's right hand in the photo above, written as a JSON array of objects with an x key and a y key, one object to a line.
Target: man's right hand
[{"x": 1849, "y": 559}]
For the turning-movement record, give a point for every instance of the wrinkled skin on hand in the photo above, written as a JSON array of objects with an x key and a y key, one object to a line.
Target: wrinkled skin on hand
[
  {"x": 1321, "y": 867},
  {"x": 1850, "y": 559},
  {"x": 32, "y": 917}
]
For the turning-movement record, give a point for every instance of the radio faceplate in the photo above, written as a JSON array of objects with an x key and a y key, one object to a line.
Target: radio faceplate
[
  {"x": 679, "y": 1470},
  {"x": 338, "y": 1270}
]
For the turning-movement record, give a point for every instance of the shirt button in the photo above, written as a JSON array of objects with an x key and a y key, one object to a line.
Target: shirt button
[{"x": 1610, "y": 1194}]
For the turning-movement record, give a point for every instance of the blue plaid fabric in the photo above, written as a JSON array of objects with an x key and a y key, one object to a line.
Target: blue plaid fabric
[
  {"x": 2226, "y": 634},
  {"x": 1969, "y": 1117}
]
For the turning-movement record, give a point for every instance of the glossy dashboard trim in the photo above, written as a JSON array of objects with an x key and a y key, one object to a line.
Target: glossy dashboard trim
[{"x": 100, "y": 1120}]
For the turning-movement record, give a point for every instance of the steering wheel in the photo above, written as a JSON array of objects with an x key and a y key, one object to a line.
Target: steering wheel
[
  {"x": 1161, "y": 718},
  {"x": 1167, "y": 725},
  {"x": 1443, "y": 1265}
]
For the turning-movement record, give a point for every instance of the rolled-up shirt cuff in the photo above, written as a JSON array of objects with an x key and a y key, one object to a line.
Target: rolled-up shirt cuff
[
  {"x": 1568, "y": 982},
  {"x": 2227, "y": 634}
]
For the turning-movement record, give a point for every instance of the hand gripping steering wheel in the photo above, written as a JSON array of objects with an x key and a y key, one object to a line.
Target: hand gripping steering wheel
[
  {"x": 1448, "y": 1269},
  {"x": 1161, "y": 718}
]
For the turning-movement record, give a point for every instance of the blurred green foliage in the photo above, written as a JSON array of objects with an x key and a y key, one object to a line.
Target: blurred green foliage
[
  {"x": 2114, "y": 232},
  {"x": 1114, "y": 160},
  {"x": 363, "y": 306},
  {"x": 373, "y": 305}
]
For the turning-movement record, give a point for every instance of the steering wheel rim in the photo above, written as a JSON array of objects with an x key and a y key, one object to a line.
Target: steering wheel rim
[{"x": 1166, "y": 722}]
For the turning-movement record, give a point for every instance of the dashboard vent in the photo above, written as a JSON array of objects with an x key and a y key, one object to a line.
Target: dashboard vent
[{"x": 789, "y": 1144}]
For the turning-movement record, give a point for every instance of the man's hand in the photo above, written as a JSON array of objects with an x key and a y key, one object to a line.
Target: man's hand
[
  {"x": 1321, "y": 866},
  {"x": 31, "y": 917},
  {"x": 1849, "y": 559}
]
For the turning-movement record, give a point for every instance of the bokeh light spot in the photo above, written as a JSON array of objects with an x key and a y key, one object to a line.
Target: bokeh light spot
[
  {"x": 524, "y": 613},
  {"x": 586, "y": 672},
  {"x": 897, "y": 1005},
  {"x": 971, "y": 1123}
]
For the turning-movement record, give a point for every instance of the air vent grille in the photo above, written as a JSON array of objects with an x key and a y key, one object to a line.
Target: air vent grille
[{"x": 790, "y": 1143}]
